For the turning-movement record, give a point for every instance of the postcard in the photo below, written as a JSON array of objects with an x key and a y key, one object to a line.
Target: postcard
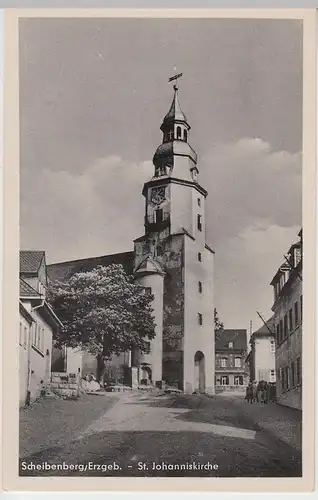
[{"x": 159, "y": 250}]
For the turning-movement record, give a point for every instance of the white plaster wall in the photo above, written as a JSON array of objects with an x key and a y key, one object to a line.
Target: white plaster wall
[
  {"x": 155, "y": 281},
  {"x": 23, "y": 362},
  {"x": 181, "y": 208},
  {"x": 40, "y": 360},
  {"x": 264, "y": 358},
  {"x": 196, "y": 337},
  {"x": 74, "y": 361},
  {"x": 182, "y": 164}
]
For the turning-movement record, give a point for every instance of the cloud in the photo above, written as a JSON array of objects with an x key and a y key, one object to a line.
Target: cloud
[
  {"x": 244, "y": 267},
  {"x": 96, "y": 212},
  {"x": 253, "y": 216},
  {"x": 249, "y": 184}
]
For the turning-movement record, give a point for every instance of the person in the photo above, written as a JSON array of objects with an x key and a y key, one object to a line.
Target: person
[
  {"x": 260, "y": 391},
  {"x": 249, "y": 393},
  {"x": 255, "y": 394},
  {"x": 265, "y": 392}
]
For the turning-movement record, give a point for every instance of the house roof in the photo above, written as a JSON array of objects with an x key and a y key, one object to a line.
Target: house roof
[
  {"x": 27, "y": 291},
  {"x": 263, "y": 330},
  {"x": 62, "y": 271},
  {"x": 30, "y": 260},
  {"x": 223, "y": 337}
]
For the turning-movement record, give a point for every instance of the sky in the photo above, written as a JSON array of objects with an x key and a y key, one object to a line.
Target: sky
[{"x": 93, "y": 93}]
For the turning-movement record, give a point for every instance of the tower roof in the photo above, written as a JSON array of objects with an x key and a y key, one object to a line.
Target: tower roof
[
  {"x": 149, "y": 266},
  {"x": 175, "y": 113}
]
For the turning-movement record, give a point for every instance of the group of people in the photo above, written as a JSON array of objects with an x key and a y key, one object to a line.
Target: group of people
[
  {"x": 261, "y": 392},
  {"x": 89, "y": 383}
]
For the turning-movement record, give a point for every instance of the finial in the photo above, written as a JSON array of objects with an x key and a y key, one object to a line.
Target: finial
[{"x": 175, "y": 77}]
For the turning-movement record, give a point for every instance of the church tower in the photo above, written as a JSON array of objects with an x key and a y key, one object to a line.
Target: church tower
[{"x": 174, "y": 261}]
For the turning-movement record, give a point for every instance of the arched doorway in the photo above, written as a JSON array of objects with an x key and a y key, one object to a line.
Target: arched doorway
[
  {"x": 199, "y": 372},
  {"x": 146, "y": 374}
]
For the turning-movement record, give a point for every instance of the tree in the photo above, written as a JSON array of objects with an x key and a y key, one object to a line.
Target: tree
[
  {"x": 103, "y": 311},
  {"x": 218, "y": 325}
]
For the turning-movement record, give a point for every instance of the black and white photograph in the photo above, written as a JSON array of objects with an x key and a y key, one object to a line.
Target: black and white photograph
[{"x": 161, "y": 247}]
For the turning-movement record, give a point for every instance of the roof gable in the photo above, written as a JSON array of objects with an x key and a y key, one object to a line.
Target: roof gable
[
  {"x": 224, "y": 337},
  {"x": 264, "y": 330},
  {"x": 26, "y": 290},
  {"x": 30, "y": 261}
]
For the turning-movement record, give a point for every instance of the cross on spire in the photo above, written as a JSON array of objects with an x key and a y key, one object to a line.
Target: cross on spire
[{"x": 175, "y": 77}]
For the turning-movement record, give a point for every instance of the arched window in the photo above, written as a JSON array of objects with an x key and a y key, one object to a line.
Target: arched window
[
  {"x": 178, "y": 132},
  {"x": 185, "y": 135}
]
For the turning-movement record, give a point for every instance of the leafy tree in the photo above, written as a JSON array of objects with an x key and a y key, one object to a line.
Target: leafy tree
[
  {"x": 218, "y": 325},
  {"x": 103, "y": 311}
]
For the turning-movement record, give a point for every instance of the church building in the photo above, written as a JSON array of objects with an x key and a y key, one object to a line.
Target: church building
[{"x": 172, "y": 259}]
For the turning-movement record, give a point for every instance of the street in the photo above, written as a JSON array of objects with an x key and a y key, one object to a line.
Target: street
[{"x": 136, "y": 434}]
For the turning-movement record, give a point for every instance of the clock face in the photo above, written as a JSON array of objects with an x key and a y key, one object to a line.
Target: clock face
[{"x": 157, "y": 195}]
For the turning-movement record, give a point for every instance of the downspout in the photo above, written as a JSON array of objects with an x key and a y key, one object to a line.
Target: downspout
[{"x": 29, "y": 356}]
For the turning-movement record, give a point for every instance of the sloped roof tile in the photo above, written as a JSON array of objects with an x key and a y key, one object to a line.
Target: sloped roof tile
[
  {"x": 30, "y": 260},
  {"x": 27, "y": 291},
  {"x": 62, "y": 271},
  {"x": 238, "y": 337}
]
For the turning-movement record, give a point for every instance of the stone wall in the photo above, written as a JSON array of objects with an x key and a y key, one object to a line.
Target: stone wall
[
  {"x": 65, "y": 385},
  {"x": 173, "y": 312}
]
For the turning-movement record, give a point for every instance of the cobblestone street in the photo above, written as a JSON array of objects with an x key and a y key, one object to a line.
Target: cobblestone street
[{"x": 134, "y": 434}]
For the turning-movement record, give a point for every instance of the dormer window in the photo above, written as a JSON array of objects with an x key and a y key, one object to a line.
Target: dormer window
[{"x": 230, "y": 345}]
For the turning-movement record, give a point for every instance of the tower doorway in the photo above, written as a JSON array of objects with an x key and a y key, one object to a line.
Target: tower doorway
[
  {"x": 145, "y": 374},
  {"x": 199, "y": 372}
]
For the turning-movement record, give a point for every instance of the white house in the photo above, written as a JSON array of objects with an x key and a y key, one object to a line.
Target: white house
[{"x": 38, "y": 323}]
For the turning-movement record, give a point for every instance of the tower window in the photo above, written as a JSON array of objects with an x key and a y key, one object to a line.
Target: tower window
[
  {"x": 199, "y": 202},
  {"x": 199, "y": 222},
  {"x": 185, "y": 135},
  {"x": 200, "y": 319},
  {"x": 200, "y": 286},
  {"x": 178, "y": 132},
  {"x": 296, "y": 313},
  {"x": 159, "y": 215},
  {"x": 161, "y": 171},
  {"x": 199, "y": 257},
  {"x": 170, "y": 135}
]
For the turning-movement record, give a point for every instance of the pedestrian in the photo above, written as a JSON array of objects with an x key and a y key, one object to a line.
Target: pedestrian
[
  {"x": 255, "y": 394},
  {"x": 265, "y": 392},
  {"x": 249, "y": 393},
  {"x": 260, "y": 391}
]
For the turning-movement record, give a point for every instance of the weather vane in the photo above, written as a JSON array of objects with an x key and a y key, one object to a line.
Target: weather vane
[{"x": 175, "y": 77}]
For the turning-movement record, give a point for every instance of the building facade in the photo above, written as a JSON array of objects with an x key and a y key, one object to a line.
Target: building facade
[
  {"x": 287, "y": 308},
  {"x": 261, "y": 358},
  {"x": 231, "y": 370},
  {"x": 38, "y": 322},
  {"x": 172, "y": 259}
]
